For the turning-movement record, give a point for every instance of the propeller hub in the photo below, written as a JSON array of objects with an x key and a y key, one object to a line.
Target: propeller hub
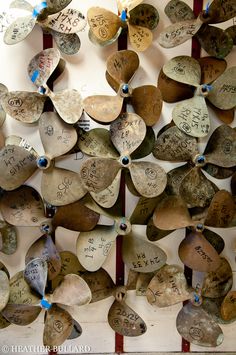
[
  {"x": 125, "y": 90},
  {"x": 45, "y": 304},
  {"x": 199, "y": 160},
  {"x": 46, "y": 227},
  {"x": 43, "y": 162},
  {"x": 123, "y": 15},
  {"x": 125, "y": 160},
  {"x": 38, "y": 9},
  {"x": 123, "y": 226},
  {"x": 199, "y": 227},
  {"x": 203, "y": 90}
]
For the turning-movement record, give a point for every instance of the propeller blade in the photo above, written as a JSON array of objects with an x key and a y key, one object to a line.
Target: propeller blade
[
  {"x": 68, "y": 104},
  {"x": 8, "y": 238},
  {"x": 197, "y": 253},
  {"x": 222, "y": 11},
  {"x": 228, "y": 309},
  {"x": 215, "y": 240},
  {"x": 168, "y": 287},
  {"x": 67, "y": 43},
  {"x": 213, "y": 308},
  {"x": 211, "y": 68},
  {"x": 122, "y": 65},
  {"x": 140, "y": 37},
  {"x": 219, "y": 172},
  {"x": 231, "y": 31},
  {"x": 197, "y": 327},
  {"x": 183, "y": 69},
  {"x": 153, "y": 233},
  {"x": 144, "y": 15},
  {"x": 20, "y": 291},
  {"x": 21, "y": 314},
  {"x": 146, "y": 146},
  {"x": 19, "y": 29},
  {"x": 226, "y": 116},
  {"x": 93, "y": 247},
  {"x": 4, "y": 290},
  {"x": 144, "y": 210},
  {"x": 177, "y": 11},
  {"x": 21, "y": 4},
  {"x": 54, "y": 6},
  {"x": 76, "y": 331},
  {"x": 75, "y": 21},
  {"x": 175, "y": 177},
  {"x": 108, "y": 197},
  {"x": 35, "y": 273},
  {"x": 73, "y": 290},
  {"x": 143, "y": 281},
  {"x": 100, "y": 284},
  {"x": 60, "y": 186},
  {"x": 221, "y": 210},
  {"x": 3, "y": 322}
]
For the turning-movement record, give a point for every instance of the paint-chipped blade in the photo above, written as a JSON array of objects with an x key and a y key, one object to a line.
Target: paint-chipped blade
[
  {"x": 45, "y": 249},
  {"x": 76, "y": 21},
  {"x": 60, "y": 186},
  {"x": 54, "y": 6},
  {"x": 222, "y": 11},
  {"x": 191, "y": 116},
  {"x": 8, "y": 238},
  {"x": 153, "y": 233},
  {"x": 231, "y": 31},
  {"x": 76, "y": 331},
  {"x": 17, "y": 164},
  {"x": 35, "y": 274},
  {"x": 103, "y": 24},
  {"x": 21, "y": 5},
  {"x": 173, "y": 91},
  {"x": 198, "y": 254},
  {"x": 58, "y": 326},
  {"x": 197, "y": 327},
  {"x": 140, "y": 37},
  {"x": 68, "y": 104},
  {"x": 57, "y": 137},
  {"x": 149, "y": 178},
  {"x": 183, "y": 69},
  {"x": 175, "y": 145},
  {"x": 67, "y": 43},
  {"x": 221, "y": 147},
  {"x": 76, "y": 217},
  {"x": 225, "y": 116},
  {"x": 42, "y": 65},
  {"x": 168, "y": 287},
  {"x": 127, "y": 4},
  {"x": 221, "y": 210},
  {"x": 22, "y": 207},
  {"x": 179, "y": 33},
  {"x": 172, "y": 213},
  {"x": 19, "y": 29},
  {"x": 73, "y": 290},
  {"x": 108, "y": 197},
  {"x": 97, "y": 143},
  {"x": 177, "y": 11},
  {"x": 23, "y": 106},
  {"x": 222, "y": 93},
  {"x": 4, "y": 290},
  {"x": 103, "y": 108},
  {"x": 196, "y": 190},
  {"x": 21, "y": 314},
  {"x": 94, "y": 247},
  {"x": 144, "y": 210},
  {"x": 100, "y": 284},
  {"x": 122, "y": 65},
  {"x": 219, "y": 282},
  {"x": 215, "y": 240},
  {"x": 146, "y": 147},
  {"x": 215, "y": 41},
  {"x": 228, "y": 309},
  {"x": 211, "y": 68},
  {"x": 20, "y": 291},
  {"x": 118, "y": 321},
  {"x": 147, "y": 103},
  {"x": 144, "y": 15},
  {"x": 142, "y": 256}
]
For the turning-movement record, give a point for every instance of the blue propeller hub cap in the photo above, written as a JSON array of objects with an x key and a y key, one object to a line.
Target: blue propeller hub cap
[
  {"x": 43, "y": 162},
  {"x": 123, "y": 15},
  {"x": 45, "y": 304},
  {"x": 200, "y": 160},
  {"x": 125, "y": 160}
]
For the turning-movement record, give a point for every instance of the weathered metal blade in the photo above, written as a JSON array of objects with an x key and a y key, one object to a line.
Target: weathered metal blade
[
  {"x": 222, "y": 11},
  {"x": 19, "y": 29},
  {"x": 228, "y": 310},
  {"x": 153, "y": 233},
  {"x": 144, "y": 15},
  {"x": 108, "y": 197},
  {"x": 122, "y": 65},
  {"x": 4, "y": 290},
  {"x": 100, "y": 284},
  {"x": 21, "y": 314},
  {"x": 35, "y": 274},
  {"x": 221, "y": 210},
  {"x": 8, "y": 238},
  {"x": 140, "y": 37},
  {"x": 178, "y": 11},
  {"x": 20, "y": 291},
  {"x": 76, "y": 21},
  {"x": 68, "y": 104},
  {"x": 67, "y": 43},
  {"x": 183, "y": 69}
]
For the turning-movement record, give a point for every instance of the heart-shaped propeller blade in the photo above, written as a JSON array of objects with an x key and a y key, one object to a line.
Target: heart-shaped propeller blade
[
  {"x": 97, "y": 143},
  {"x": 197, "y": 327},
  {"x": 197, "y": 253},
  {"x": 112, "y": 82},
  {"x": 21, "y": 4},
  {"x": 149, "y": 178},
  {"x": 175, "y": 177},
  {"x": 93, "y": 247},
  {"x": 22, "y": 207},
  {"x": 68, "y": 104},
  {"x": 168, "y": 287},
  {"x": 16, "y": 165},
  {"x": 153, "y": 233},
  {"x": 147, "y": 103},
  {"x": 140, "y": 37},
  {"x": 191, "y": 116},
  {"x": 222, "y": 93},
  {"x": 60, "y": 187},
  {"x": 103, "y": 24},
  {"x": 20, "y": 291},
  {"x": 175, "y": 145},
  {"x": 58, "y": 326},
  {"x": 172, "y": 213},
  {"x": 4, "y": 290},
  {"x": 142, "y": 256},
  {"x": 36, "y": 275},
  {"x": 146, "y": 146},
  {"x": 43, "y": 65},
  {"x": 21, "y": 314},
  {"x": 231, "y": 31},
  {"x": 23, "y": 106},
  {"x": 144, "y": 15},
  {"x": 221, "y": 147},
  {"x": 173, "y": 91},
  {"x": 75, "y": 217},
  {"x": 228, "y": 309},
  {"x": 122, "y": 65},
  {"x": 219, "y": 282},
  {"x": 183, "y": 69},
  {"x": 45, "y": 249},
  {"x": 103, "y": 108},
  {"x": 196, "y": 190},
  {"x": 144, "y": 210},
  {"x": 67, "y": 43},
  {"x": 76, "y": 331},
  {"x": 54, "y": 6},
  {"x": 73, "y": 290},
  {"x": 178, "y": 11},
  {"x": 179, "y": 33},
  {"x": 222, "y": 11},
  {"x": 127, "y": 132},
  {"x": 215, "y": 240},
  {"x": 127, "y": 4},
  {"x": 98, "y": 173},
  {"x": 19, "y": 29},
  {"x": 8, "y": 238},
  {"x": 108, "y": 197},
  {"x": 76, "y": 21},
  {"x": 221, "y": 210},
  {"x": 57, "y": 137},
  {"x": 100, "y": 284},
  {"x": 211, "y": 68},
  {"x": 125, "y": 321}
]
